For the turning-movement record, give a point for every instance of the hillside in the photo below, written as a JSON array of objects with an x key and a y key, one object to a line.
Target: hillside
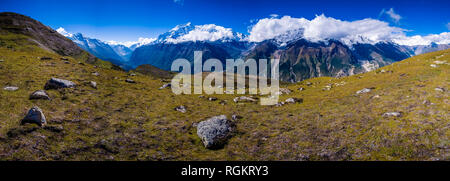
[{"x": 119, "y": 120}]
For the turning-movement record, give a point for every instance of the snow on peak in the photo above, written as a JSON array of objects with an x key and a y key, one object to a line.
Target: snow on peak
[
  {"x": 208, "y": 32},
  {"x": 63, "y": 32}
]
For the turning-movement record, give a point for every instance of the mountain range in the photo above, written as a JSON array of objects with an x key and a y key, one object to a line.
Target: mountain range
[{"x": 300, "y": 58}]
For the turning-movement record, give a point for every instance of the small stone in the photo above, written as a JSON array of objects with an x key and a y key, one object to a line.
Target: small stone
[
  {"x": 439, "y": 62},
  {"x": 181, "y": 109},
  {"x": 132, "y": 74},
  {"x": 40, "y": 94},
  {"x": 214, "y": 132},
  {"x": 95, "y": 73},
  {"x": 165, "y": 86},
  {"x": 365, "y": 90},
  {"x": 433, "y": 65},
  {"x": 10, "y": 88},
  {"x": 235, "y": 117},
  {"x": 212, "y": 98},
  {"x": 392, "y": 114},
  {"x": 55, "y": 83},
  {"x": 280, "y": 104},
  {"x": 440, "y": 89},
  {"x": 301, "y": 89},
  {"x": 64, "y": 58},
  {"x": 293, "y": 100},
  {"x": 130, "y": 81},
  {"x": 46, "y": 58},
  {"x": 56, "y": 129},
  {"x": 93, "y": 84},
  {"x": 308, "y": 83},
  {"x": 66, "y": 62},
  {"x": 285, "y": 91},
  {"x": 35, "y": 116},
  {"x": 1, "y": 60},
  {"x": 244, "y": 99}
]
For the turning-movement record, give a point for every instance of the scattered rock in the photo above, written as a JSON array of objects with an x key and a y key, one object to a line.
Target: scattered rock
[
  {"x": 280, "y": 104},
  {"x": 434, "y": 65},
  {"x": 46, "y": 58},
  {"x": 66, "y": 62},
  {"x": 293, "y": 100},
  {"x": 439, "y": 62},
  {"x": 1, "y": 60},
  {"x": 40, "y": 94},
  {"x": 55, "y": 83},
  {"x": 214, "y": 132},
  {"x": 181, "y": 109},
  {"x": 223, "y": 102},
  {"x": 426, "y": 102},
  {"x": 165, "y": 86},
  {"x": 440, "y": 89},
  {"x": 235, "y": 117},
  {"x": 308, "y": 83},
  {"x": 365, "y": 90},
  {"x": 130, "y": 81},
  {"x": 93, "y": 84},
  {"x": 132, "y": 74},
  {"x": 301, "y": 89},
  {"x": 392, "y": 114},
  {"x": 212, "y": 98},
  {"x": 285, "y": 91},
  {"x": 244, "y": 99},
  {"x": 375, "y": 96},
  {"x": 34, "y": 116},
  {"x": 10, "y": 88},
  {"x": 327, "y": 87},
  {"x": 64, "y": 58},
  {"x": 95, "y": 73}
]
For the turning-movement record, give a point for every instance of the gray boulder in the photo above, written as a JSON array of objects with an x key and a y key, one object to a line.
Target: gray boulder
[
  {"x": 10, "y": 88},
  {"x": 214, "y": 132},
  {"x": 35, "y": 116},
  {"x": 40, "y": 94},
  {"x": 55, "y": 83}
]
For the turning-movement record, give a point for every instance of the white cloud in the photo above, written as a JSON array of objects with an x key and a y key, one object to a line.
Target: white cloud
[
  {"x": 273, "y": 15},
  {"x": 391, "y": 14},
  {"x": 63, "y": 32},
  {"x": 448, "y": 26},
  {"x": 208, "y": 32},
  {"x": 349, "y": 32},
  {"x": 141, "y": 41}
]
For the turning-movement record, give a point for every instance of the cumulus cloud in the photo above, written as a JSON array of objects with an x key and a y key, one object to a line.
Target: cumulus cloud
[
  {"x": 63, "y": 32},
  {"x": 209, "y": 32},
  {"x": 391, "y": 14},
  {"x": 273, "y": 15},
  {"x": 349, "y": 32}
]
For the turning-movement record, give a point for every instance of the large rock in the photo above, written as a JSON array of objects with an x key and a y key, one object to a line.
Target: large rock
[
  {"x": 40, "y": 94},
  {"x": 215, "y": 131},
  {"x": 55, "y": 83},
  {"x": 35, "y": 116}
]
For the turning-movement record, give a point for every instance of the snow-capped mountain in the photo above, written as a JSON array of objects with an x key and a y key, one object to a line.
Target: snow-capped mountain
[
  {"x": 115, "y": 52},
  {"x": 202, "y": 33},
  {"x": 181, "y": 42}
]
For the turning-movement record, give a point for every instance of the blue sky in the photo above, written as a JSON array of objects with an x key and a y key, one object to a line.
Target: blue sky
[{"x": 127, "y": 20}]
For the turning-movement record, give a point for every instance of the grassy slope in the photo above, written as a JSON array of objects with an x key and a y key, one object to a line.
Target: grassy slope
[{"x": 123, "y": 121}]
